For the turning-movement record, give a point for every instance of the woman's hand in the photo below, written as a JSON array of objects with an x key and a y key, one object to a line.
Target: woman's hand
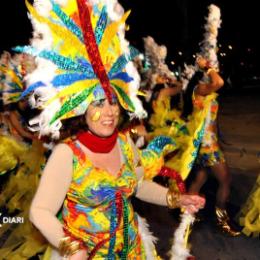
[
  {"x": 80, "y": 255},
  {"x": 192, "y": 203},
  {"x": 201, "y": 62}
]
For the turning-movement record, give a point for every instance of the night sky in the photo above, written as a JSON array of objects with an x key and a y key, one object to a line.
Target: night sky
[{"x": 178, "y": 24}]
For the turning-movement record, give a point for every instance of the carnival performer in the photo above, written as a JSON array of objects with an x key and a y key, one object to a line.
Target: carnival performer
[
  {"x": 158, "y": 85},
  {"x": 92, "y": 177},
  {"x": 12, "y": 146},
  {"x": 195, "y": 127},
  {"x": 21, "y": 159},
  {"x": 195, "y": 132},
  {"x": 16, "y": 108},
  {"x": 210, "y": 154}
]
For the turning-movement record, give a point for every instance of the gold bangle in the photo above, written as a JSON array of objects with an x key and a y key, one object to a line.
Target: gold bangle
[
  {"x": 68, "y": 247},
  {"x": 172, "y": 199}
]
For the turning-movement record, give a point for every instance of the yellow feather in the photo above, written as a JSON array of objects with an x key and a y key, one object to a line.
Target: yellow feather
[
  {"x": 72, "y": 42},
  {"x": 109, "y": 34},
  {"x": 70, "y": 8},
  {"x": 120, "y": 83},
  {"x": 73, "y": 88},
  {"x": 15, "y": 78}
]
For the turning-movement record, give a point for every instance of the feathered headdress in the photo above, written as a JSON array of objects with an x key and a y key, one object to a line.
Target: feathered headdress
[
  {"x": 81, "y": 56},
  {"x": 13, "y": 73},
  {"x": 208, "y": 45},
  {"x": 156, "y": 55}
]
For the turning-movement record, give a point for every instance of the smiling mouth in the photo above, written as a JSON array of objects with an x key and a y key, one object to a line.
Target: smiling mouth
[{"x": 108, "y": 122}]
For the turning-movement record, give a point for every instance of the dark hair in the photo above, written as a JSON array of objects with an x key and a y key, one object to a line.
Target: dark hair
[
  {"x": 187, "y": 96},
  {"x": 25, "y": 113},
  {"x": 72, "y": 126}
]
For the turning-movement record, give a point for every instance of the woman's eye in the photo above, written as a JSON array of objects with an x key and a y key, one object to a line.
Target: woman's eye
[{"x": 98, "y": 103}]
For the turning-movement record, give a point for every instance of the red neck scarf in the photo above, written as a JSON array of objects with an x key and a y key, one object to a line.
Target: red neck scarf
[{"x": 96, "y": 143}]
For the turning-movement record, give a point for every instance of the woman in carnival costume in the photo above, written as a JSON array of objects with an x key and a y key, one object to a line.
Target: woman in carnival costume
[
  {"x": 14, "y": 132},
  {"x": 84, "y": 69},
  {"x": 210, "y": 154},
  {"x": 20, "y": 166},
  {"x": 158, "y": 85},
  {"x": 16, "y": 108},
  {"x": 195, "y": 127}
]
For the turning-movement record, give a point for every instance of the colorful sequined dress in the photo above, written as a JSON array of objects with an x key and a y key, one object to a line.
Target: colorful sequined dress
[
  {"x": 209, "y": 152},
  {"x": 97, "y": 209}
]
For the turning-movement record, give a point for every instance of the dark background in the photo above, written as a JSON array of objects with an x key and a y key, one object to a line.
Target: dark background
[{"x": 178, "y": 24}]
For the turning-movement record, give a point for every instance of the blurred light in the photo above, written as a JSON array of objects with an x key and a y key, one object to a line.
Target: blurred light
[
  {"x": 220, "y": 45},
  {"x": 180, "y": 53},
  {"x": 242, "y": 63},
  {"x": 172, "y": 62},
  {"x": 176, "y": 73},
  {"x": 248, "y": 49},
  {"x": 230, "y": 47}
]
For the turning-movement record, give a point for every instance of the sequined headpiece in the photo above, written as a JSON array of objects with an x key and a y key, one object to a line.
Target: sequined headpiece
[
  {"x": 12, "y": 76},
  {"x": 81, "y": 56}
]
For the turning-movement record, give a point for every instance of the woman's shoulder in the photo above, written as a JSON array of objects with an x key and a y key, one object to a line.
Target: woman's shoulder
[{"x": 62, "y": 149}]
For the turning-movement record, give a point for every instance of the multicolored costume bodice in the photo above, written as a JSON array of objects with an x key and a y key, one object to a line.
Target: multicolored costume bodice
[
  {"x": 196, "y": 139},
  {"x": 209, "y": 152},
  {"x": 97, "y": 209}
]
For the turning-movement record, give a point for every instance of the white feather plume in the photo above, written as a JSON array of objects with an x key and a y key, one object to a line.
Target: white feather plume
[
  {"x": 179, "y": 250},
  {"x": 133, "y": 86},
  {"x": 209, "y": 43},
  {"x": 61, "y": 2},
  {"x": 156, "y": 55},
  {"x": 42, "y": 122},
  {"x": 187, "y": 74},
  {"x": 43, "y": 7},
  {"x": 148, "y": 239}
]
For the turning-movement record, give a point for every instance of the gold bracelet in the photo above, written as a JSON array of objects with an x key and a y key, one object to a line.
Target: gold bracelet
[
  {"x": 68, "y": 247},
  {"x": 172, "y": 199}
]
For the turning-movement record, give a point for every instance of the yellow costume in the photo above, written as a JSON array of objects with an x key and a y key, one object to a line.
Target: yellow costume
[
  {"x": 188, "y": 135},
  {"x": 250, "y": 213}
]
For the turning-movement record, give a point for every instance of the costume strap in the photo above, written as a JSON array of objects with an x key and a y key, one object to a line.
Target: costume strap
[{"x": 77, "y": 151}]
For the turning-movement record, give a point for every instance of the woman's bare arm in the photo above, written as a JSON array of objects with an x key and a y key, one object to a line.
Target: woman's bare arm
[
  {"x": 51, "y": 193},
  {"x": 216, "y": 82}
]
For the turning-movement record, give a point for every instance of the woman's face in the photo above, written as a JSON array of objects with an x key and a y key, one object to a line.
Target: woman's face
[{"x": 102, "y": 117}]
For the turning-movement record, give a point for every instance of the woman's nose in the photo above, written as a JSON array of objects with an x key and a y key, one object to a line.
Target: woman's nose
[{"x": 108, "y": 109}]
